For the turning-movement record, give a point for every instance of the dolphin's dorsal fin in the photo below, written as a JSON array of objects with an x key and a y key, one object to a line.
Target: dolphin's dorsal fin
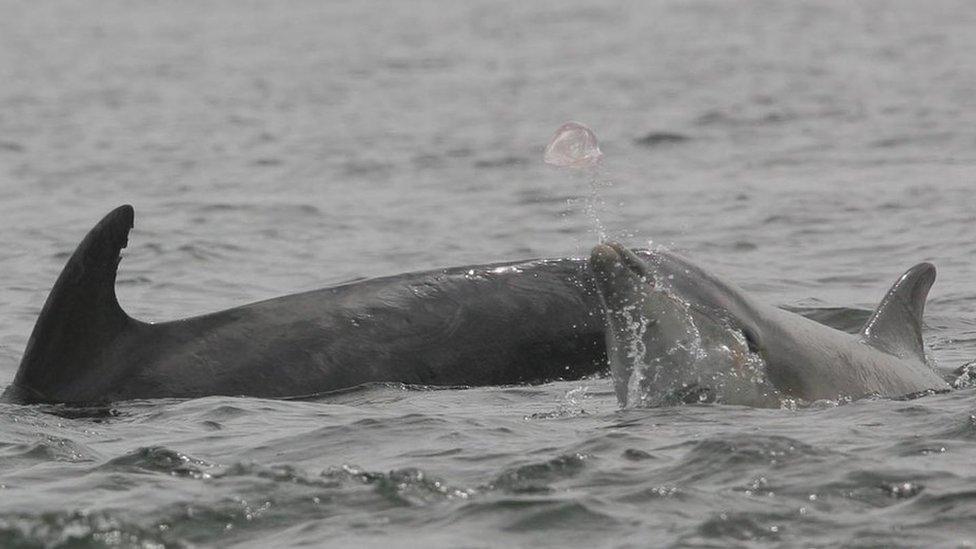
[
  {"x": 81, "y": 316},
  {"x": 896, "y": 325}
]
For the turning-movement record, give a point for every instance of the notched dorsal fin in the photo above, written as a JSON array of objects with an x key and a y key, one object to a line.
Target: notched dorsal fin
[
  {"x": 81, "y": 315},
  {"x": 896, "y": 325}
]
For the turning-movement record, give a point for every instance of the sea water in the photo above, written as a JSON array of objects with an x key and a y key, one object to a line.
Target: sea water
[{"x": 810, "y": 152}]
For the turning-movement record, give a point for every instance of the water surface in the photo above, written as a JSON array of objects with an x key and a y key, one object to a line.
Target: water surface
[{"x": 811, "y": 152}]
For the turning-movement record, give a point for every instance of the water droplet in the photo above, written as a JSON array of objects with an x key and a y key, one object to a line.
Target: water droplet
[{"x": 573, "y": 146}]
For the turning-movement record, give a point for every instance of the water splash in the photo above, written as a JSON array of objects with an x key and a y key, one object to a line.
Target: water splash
[
  {"x": 653, "y": 381},
  {"x": 695, "y": 359},
  {"x": 965, "y": 376}
]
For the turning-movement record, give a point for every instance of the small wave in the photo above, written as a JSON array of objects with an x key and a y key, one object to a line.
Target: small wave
[
  {"x": 736, "y": 119},
  {"x": 548, "y": 514},
  {"x": 961, "y": 428},
  {"x": 636, "y": 454},
  {"x": 267, "y": 162},
  {"x": 539, "y": 196},
  {"x": 965, "y": 376},
  {"x": 370, "y": 389},
  {"x": 656, "y": 139},
  {"x": 745, "y": 526},
  {"x": 12, "y": 146},
  {"x": 409, "y": 486},
  {"x": 76, "y": 529},
  {"x": 251, "y": 207},
  {"x": 95, "y": 413},
  {"x": 877, "y": 489},
  {"x": 918, "y": 139},
  {"x": 284, "y": 474},
  {"x": 49, "y": 448},
  {"x": 157, "y": 459},
  {"x": 501, "y": 162},
  {"x": 733, "y": 457},
  {"x": 560, "y": 514},
  {"x": 361, "y": 168},
  {"x": 538, "y": 477}
]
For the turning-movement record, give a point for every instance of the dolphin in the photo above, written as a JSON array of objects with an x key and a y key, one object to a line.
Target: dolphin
[
  {"x": 497, "y": 324},
  {"x": 676, "y": 333}
]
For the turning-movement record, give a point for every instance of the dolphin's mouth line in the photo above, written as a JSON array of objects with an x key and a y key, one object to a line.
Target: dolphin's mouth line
[{"x": 630, "y": 260}]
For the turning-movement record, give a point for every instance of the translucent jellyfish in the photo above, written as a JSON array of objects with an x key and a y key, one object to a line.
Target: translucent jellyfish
[{"x": 573, "y": 146}]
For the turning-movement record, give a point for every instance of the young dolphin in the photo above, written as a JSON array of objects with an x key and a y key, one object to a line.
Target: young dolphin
[{"x": 676, "y": 333}]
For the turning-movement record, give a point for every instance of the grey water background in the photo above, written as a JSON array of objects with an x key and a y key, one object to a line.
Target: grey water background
[{"x": 809, "y": 151}]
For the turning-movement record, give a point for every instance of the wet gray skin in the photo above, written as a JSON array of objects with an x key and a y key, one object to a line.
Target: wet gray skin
[
  {"x": 497, "y": 324},
  {"x": 691, "y": 336},
  {"x": 663, "y": 351}
]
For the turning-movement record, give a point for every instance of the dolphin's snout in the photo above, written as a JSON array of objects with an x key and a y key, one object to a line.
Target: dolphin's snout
[
  {"x": 609, "y": 272},
  {"x": 613, "y": 259},
  {"x": 619, "y": 274},
  {"x": 632, "y": 261},
  {"x": 604, "y": 258}
]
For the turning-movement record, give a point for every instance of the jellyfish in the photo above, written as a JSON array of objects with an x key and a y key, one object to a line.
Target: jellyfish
[{"x": 573, "y": 146}]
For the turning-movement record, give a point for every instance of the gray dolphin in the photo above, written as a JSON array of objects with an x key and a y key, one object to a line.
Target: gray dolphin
[
  {"x": 495, "y": 324},
  {"x": 676, "y": 333}
]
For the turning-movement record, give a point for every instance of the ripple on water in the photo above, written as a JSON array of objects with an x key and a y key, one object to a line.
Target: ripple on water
[
  {"x": 540, "y": 514},
  {"x": 49, "y": 448},
  {"x": 659, "y": 138},
  {"x": 539, "y": 477},
  {"x": 77, "y": 529},
  {"x": 743, "y": 526},
  {"x": 873, "y": 489},
  {"x": 960, "y": 427},
  {"x": 408, "y": 486},
  {"x": 157, "y": 459},
  {"x": 732, "y": 457}
]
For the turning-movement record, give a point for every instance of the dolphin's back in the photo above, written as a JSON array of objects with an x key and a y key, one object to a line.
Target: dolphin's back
[
  {"x": 444, "y": 327},
  {"x": 491, "y": 324},
  {"x": 812, "y": 361}
]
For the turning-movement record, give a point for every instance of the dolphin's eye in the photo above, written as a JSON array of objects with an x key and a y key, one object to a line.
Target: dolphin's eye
[{"x": 751, "y": 341}]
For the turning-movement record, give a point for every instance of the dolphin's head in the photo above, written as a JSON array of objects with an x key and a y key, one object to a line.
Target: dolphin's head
[
  {"x": 623, "y": 288},
  {"x": 620, "y": 290},
  {"x": 621, "y": 276},
  {"x": 648, "y": 331},
  {"x": 663, "y": 350}
]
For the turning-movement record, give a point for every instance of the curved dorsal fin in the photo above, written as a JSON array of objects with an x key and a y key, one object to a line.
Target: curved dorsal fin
[
  {"x": 896, "y": 325},
  {"x": 80, "y": 317}
]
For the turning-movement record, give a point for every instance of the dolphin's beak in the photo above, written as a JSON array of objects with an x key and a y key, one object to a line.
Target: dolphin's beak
[
  {"x": 604, "y": 258},
  {"x": 612, "y": 259},
  {"x": 619, "y": 273},
  {"x": 633, "y": 262}
]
